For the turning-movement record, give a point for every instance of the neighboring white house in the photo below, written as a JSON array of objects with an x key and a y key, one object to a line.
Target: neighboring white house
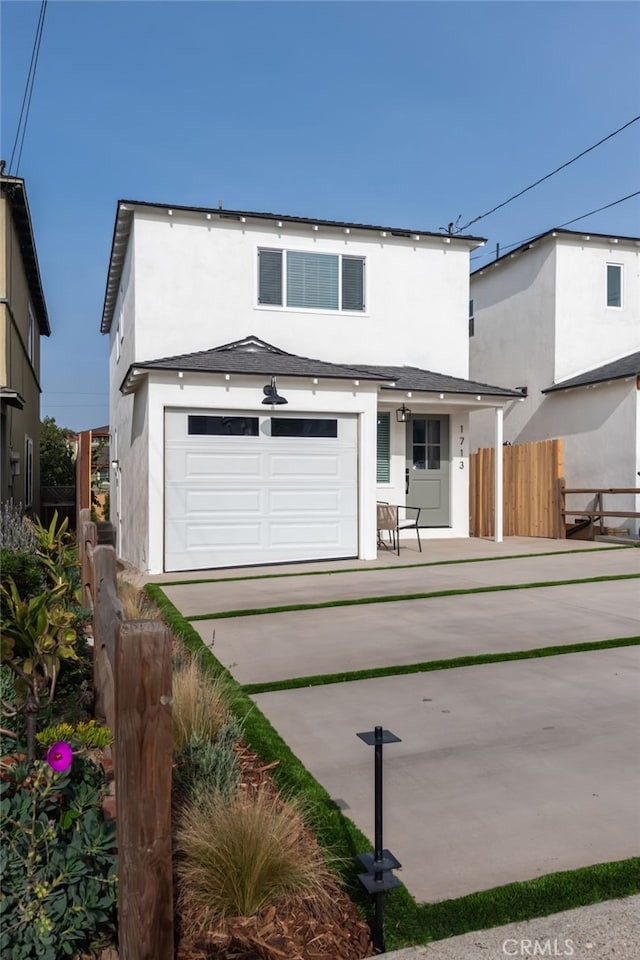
[
  {"x": 560, "y": 316},
  {"x": 213, "y": 316}
]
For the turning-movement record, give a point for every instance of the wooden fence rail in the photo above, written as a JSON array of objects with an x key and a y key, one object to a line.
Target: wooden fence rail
[
  {"x": 132, "y": 675},
  {"x": 595, "y": 511},
  {"x": 530, "y": 475}
]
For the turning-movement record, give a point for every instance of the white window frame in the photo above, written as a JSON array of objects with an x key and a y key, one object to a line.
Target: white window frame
[
  {"x": 28, "y": 472},
  {"x": 620, "y": 305},
  {"x": 31, "y": 333},
  {"x": 283, "y": 282},
  {"x": 472, "y": 318}
]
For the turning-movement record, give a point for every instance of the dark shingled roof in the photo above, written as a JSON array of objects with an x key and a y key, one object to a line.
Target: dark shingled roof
[
  {"x": 413, "y": 378},
  {"x": 616, "y": 370},
  {"x": 252, "y": 355}
]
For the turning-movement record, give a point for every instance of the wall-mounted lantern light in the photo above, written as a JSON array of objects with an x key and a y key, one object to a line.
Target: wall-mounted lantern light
[{"x": 271, "y": 395}]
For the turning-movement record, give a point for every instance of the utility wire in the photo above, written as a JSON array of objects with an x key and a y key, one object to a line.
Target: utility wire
[
  {"x": 548, "y": 175},
  {"x": 508, "y": 246},
  {"x": 28, "y": 90}
]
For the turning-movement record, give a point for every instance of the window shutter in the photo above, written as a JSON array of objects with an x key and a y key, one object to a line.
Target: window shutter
[
  {"x": 270, "y": 277},
  {"x": 312, "y": 280},
  {"x": 352, "y": 283},
  {"x": 383, "y": 456}
]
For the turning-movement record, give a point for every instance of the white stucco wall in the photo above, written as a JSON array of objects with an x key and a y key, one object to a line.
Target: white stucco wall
[
  {"x": 541, "y": 317},
  {"x": 514, "y": 338},
  {"x": 196, "y": 288},
  {"x": 598, "y": 425},
  {"x": 242, "y": 395},
  {"x": 588, "y": 333}
]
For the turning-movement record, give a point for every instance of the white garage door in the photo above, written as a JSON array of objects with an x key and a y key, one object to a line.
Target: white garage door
[{"x": 258, "y": 488}]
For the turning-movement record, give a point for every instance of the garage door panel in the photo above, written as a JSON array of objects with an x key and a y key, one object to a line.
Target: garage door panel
[
  {"x": 223, "y": 501},
  {"x": 306, "y": 465},
  {"x": 233, "y": 500},
  {"x": 202, "y": 465},
  {"x": 208, "y": 535},
  {"x": 303, "y": 501},
  {"x": 315, "y": 535}
]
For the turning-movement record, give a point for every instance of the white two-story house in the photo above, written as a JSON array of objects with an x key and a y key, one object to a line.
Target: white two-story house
[
  {"x": 272, "y": 377},
  {"x": 560, "y": 316}
]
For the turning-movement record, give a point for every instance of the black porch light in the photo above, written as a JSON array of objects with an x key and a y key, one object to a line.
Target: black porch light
[
  {"x": 271, "y": 395},
  {"x": 402, "y": 414}
]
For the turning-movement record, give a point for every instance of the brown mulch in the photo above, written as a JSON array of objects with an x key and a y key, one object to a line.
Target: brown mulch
[{"x": 296, "y": 929}]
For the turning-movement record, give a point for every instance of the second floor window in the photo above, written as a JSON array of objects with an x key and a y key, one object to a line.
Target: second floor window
[
  {"x": 310, "y": 281},
  {"x": 30, "y": 334},
  {"x": 614, "y": 285},
  {"x": 472, "y": 319}
]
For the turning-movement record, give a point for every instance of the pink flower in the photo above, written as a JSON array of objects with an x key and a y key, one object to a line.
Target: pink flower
[{"x": 59, "y": 756}]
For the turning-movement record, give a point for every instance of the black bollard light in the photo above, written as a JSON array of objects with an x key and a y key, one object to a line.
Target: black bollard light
[{"x": 379, "y": 862}]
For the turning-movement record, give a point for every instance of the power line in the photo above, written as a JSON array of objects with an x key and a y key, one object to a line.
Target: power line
[
  {"x": 606, "y": 207},
  {"x": 28, "y": 90},
  {"x": 548, "y": 175},
  {"x": 508, "y": 246}
]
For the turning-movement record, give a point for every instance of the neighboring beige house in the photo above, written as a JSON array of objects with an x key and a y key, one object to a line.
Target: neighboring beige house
[{"x": 23, "y": 320}]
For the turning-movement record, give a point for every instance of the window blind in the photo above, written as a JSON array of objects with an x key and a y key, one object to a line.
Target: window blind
[
  {"x": 352, "y": 283},
  {"x": 312, "y": 280},
  {"x": 270, "y": 277}
]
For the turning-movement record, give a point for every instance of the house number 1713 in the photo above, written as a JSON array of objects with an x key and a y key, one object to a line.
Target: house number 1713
[{"x": 461, "y": 453}]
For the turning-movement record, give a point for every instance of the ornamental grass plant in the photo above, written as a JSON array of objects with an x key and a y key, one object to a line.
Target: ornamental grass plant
[
  {"x": 136, "y": 605},
  {"x": 236, "y": 858},
  {"x": 201, "y": 704}
]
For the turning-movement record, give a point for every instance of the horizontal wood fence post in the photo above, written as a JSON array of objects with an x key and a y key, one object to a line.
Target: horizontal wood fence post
[{"x": 143, "y": 757}]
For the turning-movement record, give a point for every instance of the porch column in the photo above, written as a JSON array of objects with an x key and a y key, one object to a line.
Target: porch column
[{"x": 497, "y": 518}]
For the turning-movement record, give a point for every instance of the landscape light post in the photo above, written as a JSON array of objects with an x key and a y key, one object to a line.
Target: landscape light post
[{"x": 379, "y": 862}]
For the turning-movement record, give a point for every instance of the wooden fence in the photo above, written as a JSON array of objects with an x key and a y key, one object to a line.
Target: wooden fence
[
  {"x": 530, "y": 490},
  {"x": 595, "y": 512},
  {"x": 132, "y": 674}
]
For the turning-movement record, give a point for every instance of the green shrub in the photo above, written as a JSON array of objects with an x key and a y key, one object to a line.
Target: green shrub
[
  {"x": 57, "y": 862},
  {"x": 24, "y": 569},
  {"x": 210, "y": 766}
]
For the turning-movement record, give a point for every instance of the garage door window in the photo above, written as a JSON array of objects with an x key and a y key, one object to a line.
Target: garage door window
[
  {"x": 222, "y": 426},
  {"x": 303, "y": 427}
]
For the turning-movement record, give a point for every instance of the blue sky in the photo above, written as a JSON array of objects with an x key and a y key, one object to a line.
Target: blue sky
[{"x": 403, "y": 114}]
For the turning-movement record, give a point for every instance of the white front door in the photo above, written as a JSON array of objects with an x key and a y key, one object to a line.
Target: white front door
[{"x": 249, "y": 488}]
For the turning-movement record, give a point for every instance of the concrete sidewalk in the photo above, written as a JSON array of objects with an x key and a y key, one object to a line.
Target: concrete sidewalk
[{"x": 598, "y": 932}]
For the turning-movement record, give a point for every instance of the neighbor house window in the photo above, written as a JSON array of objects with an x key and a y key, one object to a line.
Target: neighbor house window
[
  {"x": 28, "y": 472},
  {"x": 472, "y": 319},
  {"x": 383, "y": 454},
  {"x": 310, "y": 281},
  {"x": 30, "y": 333},
  {"x": 614, "y": 285}
]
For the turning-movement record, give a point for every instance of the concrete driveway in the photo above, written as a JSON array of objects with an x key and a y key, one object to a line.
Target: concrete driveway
[{"x": 506, "y": 771}]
